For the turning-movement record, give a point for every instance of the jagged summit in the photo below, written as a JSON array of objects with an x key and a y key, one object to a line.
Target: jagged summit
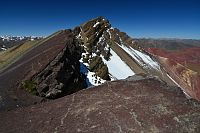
[{"x": 107, "y": 50}]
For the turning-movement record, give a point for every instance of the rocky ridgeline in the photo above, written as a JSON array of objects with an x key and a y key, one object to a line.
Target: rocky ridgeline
[{"x": 62, "y": 76}]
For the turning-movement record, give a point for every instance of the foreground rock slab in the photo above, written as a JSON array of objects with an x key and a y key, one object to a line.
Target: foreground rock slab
[{"x": 146, "y": 105}]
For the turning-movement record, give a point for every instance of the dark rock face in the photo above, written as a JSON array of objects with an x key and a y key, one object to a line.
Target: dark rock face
[
  {"x": 145, "y": 105},
  {"x": 62, "y": 76},
  {"x": 21, "y": 72},
  {"x": 89, "y": 34}
]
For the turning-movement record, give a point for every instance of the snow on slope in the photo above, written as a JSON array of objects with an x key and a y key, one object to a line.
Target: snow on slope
[
  {"x": 142, "y": 59},
  {"x": 91, "y": 78},
  {"x": 118, "y": 68},
  {"x": 3, "y": 49},
  {"x": 95, "y": 25}
]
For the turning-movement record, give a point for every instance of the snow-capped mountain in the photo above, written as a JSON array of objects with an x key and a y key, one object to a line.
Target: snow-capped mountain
[
  {"x": 16, "y": 38},
  {"x": 109, "y": 54},
  {"x": 10, "y": 41}
]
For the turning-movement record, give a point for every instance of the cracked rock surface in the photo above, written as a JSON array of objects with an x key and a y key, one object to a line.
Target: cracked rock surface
[{"x": 146, "y": 105}]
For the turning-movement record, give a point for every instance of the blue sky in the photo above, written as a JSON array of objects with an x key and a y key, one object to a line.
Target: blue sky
[{"x": 142, "y": 18}]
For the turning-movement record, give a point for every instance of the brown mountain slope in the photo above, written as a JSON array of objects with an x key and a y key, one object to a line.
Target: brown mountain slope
[
  {"x": 145, "y": 105},
  {"x": 33, "y": 62}
]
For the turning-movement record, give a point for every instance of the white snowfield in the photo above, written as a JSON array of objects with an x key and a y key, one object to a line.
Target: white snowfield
[
  {"x": 142, "y": 59},
  {"x": 118, "y": 68}
]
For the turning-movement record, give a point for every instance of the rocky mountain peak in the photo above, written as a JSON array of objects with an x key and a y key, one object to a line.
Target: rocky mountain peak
[
  {"x": 92, "y": 30},
  {"x": 102, "y": 44}
]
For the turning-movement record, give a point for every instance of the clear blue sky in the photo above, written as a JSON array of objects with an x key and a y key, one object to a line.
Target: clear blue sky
[{"x": 142, "y": 18}]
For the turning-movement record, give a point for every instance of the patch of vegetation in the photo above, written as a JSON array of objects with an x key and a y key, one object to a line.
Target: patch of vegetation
[{"x": 30, "y": 86}]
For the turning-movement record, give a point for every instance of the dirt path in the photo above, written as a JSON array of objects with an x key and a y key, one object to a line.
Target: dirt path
[{"x": 31, "y": 63}]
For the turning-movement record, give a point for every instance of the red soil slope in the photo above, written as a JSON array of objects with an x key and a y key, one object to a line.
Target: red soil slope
[
  {"x": 183, "y": 67},
  {"x": 183, "y": 56}
]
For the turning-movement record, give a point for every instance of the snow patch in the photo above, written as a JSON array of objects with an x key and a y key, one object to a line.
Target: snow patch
[
  {"x": 101, "y": 39},
  {"x": 142, "y": 59},
  {"x": 94, "y": 79},
  {"x": 108, "y": 30},
  {"x": 97, "y": 33},
  {"x": 147, "y": 59},
  {"x": 3, "y": 49},
  {"x": 120, "y": 39},
  {"x": 95, "y": 25},
  {"x": 91, "y": 78},
  {"x": 132, "y": 54},
  {"x": 94, "y": 54},
  {"x": 117, "y": 68}
]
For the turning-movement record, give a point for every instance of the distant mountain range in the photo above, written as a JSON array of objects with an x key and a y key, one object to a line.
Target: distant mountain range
[
  {"x": 168, "y": 44},
  {"x": 10, "y": 41}
]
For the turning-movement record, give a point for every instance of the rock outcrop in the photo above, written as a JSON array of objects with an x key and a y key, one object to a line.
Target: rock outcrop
[
  {"x": 50, "y": 70},
  {"x": 146, "y": 105},
  {"x": 62, "y": 76}
]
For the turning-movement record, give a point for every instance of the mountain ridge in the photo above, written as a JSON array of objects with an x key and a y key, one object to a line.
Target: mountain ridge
[{"x": 102, "y": 49}]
